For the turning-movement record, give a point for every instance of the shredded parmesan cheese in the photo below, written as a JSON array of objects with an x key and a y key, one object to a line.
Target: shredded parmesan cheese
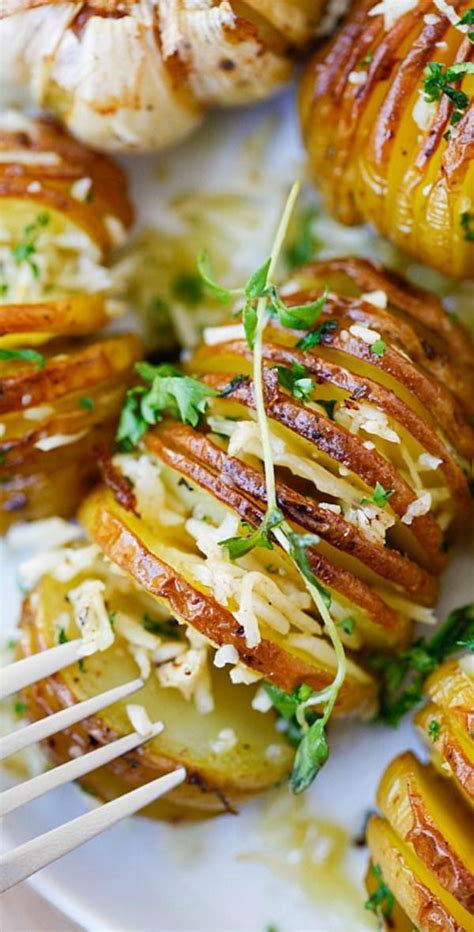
[
  {"x": 392, "y": 10},
  {"x": 421, "y": 506},
  {"x": 139, "y": 719},
  {"x": 377, "y": 298},
  {"x": 91, "y": 616},
  {"x": 35, "y": 535},
  {"x": 364, "y": 333},
  {"x": 225, "y": 741}
]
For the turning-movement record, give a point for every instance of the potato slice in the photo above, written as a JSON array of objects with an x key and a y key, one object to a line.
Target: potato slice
[
  {"x": 219, "y": 778},
  {"x": 396, "y": 920},
  {"x": 37, "y": 323},
  {"x": 446, "y": 723},
  {"x": 427, "y": 904},
  {"x": 164, "y": 560},
  {"x": 430, "y": 818},
  {"x": 379, "y": 151}
]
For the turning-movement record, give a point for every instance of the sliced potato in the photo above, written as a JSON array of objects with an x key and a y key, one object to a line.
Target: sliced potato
[
  {"x": 430, "y": 818},
  {"x": 219, "y": 777},
  {"x": 447, "y": 723},
  {"x": 378, "y": 149},
  {"x": 165, "y": 561},
  {"x": 426, "y": 903}
]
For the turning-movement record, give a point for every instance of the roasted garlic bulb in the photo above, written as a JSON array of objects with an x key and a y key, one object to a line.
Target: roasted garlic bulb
[
  {"x": 140, "y": 75},
  {"x": 421, "y": 847},
  {"x": 62, "y": 209},
  {"x": 388, "y": 120}
]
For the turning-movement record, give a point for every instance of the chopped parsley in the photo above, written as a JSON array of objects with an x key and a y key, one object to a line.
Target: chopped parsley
[
  {"x": 348, "y": 625},
  {"x": 27, "y": 355},
  {"x": 167, "y": 629},
  {"x": 328, "y": 406},
  {"x": 87, "y": 403},
  {"x": 316, "y": 336},
  {"x": 296, "y": 380},
  {"x": 380, "y": 496},
  {"x": 467, "y": 226},
  {"x": 25, "y": 250},
  {"x": 19, "y": 707},
  {"x": 62, "y": 636},
  {"x": 188, "y": 288},
  {"x": 468, "y": 20},
  {"x": 382, "y": 901},
  {"x": 378, "y": 348},
  {"x": 402, "y": 677},
  {"x": 438, "y": 80},
  {"x": 434, "y": 729},
  {"x": 238, "y": 546},
  {"x": 168, "y": 390}
]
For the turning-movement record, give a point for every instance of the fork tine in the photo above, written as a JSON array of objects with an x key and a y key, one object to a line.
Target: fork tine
[
  {"x": 24, "y": 672},
  {"x": 49, "y": 725},
  {"x": 19, "y": 864},
  {"x": 72, "y": 770}
]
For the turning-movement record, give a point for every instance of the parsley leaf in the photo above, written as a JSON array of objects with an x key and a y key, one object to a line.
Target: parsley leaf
[
  {"x": 87, "y": 403},
  {"x": 170, "y": 391},
  {"x": 348, "y": 625},
  {"x": 28, "y": 355},
  {"x": 239, "y": 546},
  {"x": 468, "y": 20},
  {"x": 300, "y": 316},
  {"x": 433, "y": 730},
  {"x": 249, "y": 320},
  {"x": 402, "y": 677},
  {"x": 380, "y": 496},
  {"x": 312, "y": 754},
  {"x": 188, "y": 288},
  {"x": 256, "y": 285},
  {"x": 296, "y": 380},
  {"x": 378, "y": 347},
  {"x": 316, "y": 336},
  {"x": 285, "y": 703},
  {"x": 328, "y": 406},
  {"x": 439, "y": 80},
  {"x": 168, "y": 629},
  {"x": 26, "y": 248},
  {"x": 62, "y": 636},
  {"x": 382, "y": 901},
  {"x": 467, "y": 225}
]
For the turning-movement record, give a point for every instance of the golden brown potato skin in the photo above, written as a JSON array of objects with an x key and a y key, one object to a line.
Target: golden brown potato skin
[
  {"x": 423, "y": 843},
  {"x": 370, "y": 157},
  {"x": 56, "y": 411}
]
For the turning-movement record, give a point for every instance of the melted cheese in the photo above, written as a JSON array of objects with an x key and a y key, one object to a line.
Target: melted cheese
[{"x": 91, "y": 616}]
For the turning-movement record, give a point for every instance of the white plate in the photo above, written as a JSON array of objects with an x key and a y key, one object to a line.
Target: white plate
[{"x": 280, "y": 863}]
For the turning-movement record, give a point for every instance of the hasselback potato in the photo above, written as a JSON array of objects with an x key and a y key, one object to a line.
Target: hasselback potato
[
  {"x": 388, "y": 121},
  {"x": 370, "y": 439},
  {"x": 62, "y": 209},
  {"x": 139, "y": 75},
  {"x": 421, "y": 847}
]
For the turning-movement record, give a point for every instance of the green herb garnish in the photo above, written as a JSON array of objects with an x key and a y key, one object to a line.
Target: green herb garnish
[
  {"x": 62, "y": 636},
  {"x": 296, "y": 380},
  {"x": 439, "y": 80},
  {"x": 402, "y": 677},
  {"x": 468, "y": 20},
  {"x": 87, "y": 403},
  {"x": 433, "y": 730},
  {"x": 382, "y": 901},
  {"x": 378, "y": 348},
  {"x": 19, "y": 707},
  {"x": 26, "y": 248},
  {"x": 188, "y": 288},
  {"x": 329, "y": 406},
  {"x": 167, "y": 629},
  {"x": 316, "y": 336},
  {"x": 239, "y": 546},
  {"x": 169, "y": 391},
  {"x": 467, "y": 226},
  {"x": 348, "y": 625},
  {"x": 380, "y": 496},
  {"x": 27, "y": 355}
]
